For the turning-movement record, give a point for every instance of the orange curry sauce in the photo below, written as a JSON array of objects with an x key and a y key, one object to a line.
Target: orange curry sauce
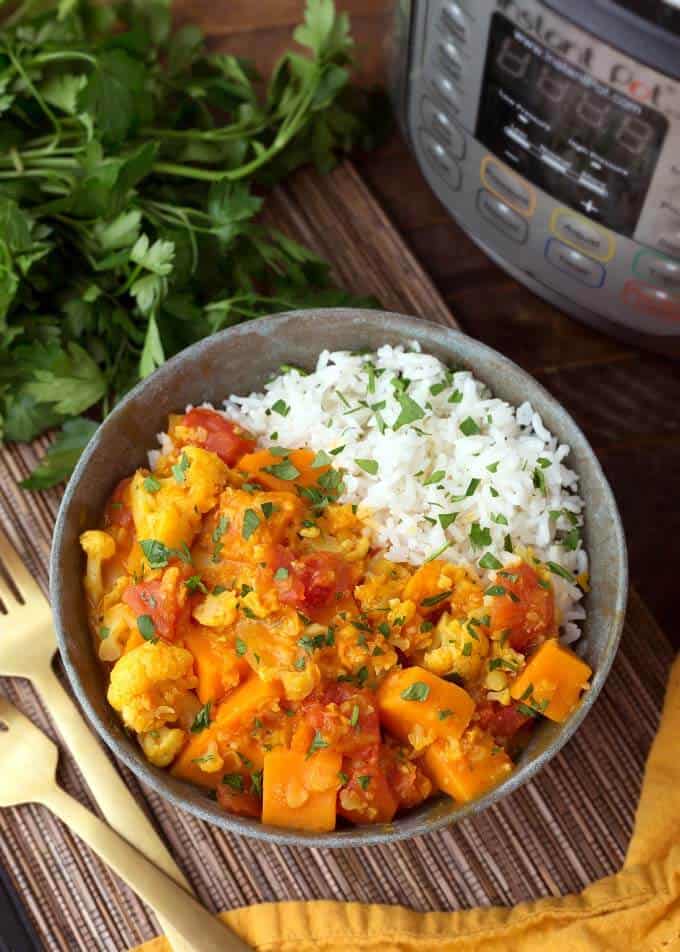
[{"x": 259, "y": 647}]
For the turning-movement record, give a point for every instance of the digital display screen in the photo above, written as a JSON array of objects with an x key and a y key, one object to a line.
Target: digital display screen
[{"x": 583, "y": 142}]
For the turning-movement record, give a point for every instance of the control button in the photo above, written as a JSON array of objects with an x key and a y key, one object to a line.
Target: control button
[
  {"x": 502, "y": 217},
  {"x": 454, "y": 19},
  {"x": 450, "y": 54},
  {"x": 448, "y": 90},
  {"x": 507, "y": 185},
  {"x": 572, "y": 262},
  {"x": 648, "y": 300},
  {"x": 662, "y": 272},
  {"x": 440, "y": 159},
  {"x": 443, "y": 128},
  {"x": 582, "y": 234}
]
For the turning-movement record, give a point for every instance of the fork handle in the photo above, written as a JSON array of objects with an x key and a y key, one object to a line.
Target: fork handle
[
  {"x": 203, "y": 931},
  {"x": 106, "y": 785}
]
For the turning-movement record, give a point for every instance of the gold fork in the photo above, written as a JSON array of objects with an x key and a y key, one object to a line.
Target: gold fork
[
  {"x": 29, "y": 763},
  {"x": 27, "y": 648}
]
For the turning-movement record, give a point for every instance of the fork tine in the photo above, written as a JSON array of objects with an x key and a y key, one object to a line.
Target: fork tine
[{"x": 16, "y": 570}]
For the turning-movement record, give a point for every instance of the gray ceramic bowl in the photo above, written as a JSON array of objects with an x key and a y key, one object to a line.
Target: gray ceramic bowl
[{"x": 240, "y": 360}]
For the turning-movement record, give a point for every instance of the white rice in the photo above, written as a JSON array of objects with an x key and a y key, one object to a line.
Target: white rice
[{"x": 512, "y": 469}]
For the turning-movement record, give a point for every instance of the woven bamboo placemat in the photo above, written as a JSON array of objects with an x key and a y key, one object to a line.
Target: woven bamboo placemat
[{"x": 555, "y": 835}]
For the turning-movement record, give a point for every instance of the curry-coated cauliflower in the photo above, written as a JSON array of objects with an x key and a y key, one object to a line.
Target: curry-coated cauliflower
[
  {"x": 149, "y": 685},
  {"x": 217, "y": 611},
  {"x": 162, "y": 746},
  {"x": 458, "y": 647},
  {"x": 98, "y": 547},
  {"x": 118, "y": 623},
  {"x": 172, "y": 514}
]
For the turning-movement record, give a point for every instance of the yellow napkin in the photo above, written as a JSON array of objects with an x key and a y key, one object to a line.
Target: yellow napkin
[{"x": 638, "y": 909}]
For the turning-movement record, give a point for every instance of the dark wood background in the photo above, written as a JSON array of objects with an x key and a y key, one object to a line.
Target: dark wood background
[{"x": 626, "y": 400}]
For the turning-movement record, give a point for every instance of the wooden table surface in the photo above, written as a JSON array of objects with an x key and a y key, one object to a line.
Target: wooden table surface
[{"x": 626, "y": 400}]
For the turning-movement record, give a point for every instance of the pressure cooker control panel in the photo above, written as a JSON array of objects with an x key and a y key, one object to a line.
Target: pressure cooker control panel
[{"x": 560, "y": 160}]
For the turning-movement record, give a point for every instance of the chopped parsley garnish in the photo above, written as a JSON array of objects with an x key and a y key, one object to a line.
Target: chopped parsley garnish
[
  {"x": 342, "y": 777},
  {"x": 435, "y": 477},
  {"x": 331, "y": 481},
  {"x": 354, "y": 719},
  {"x": 218, "y": 532},
  {"x": 467, "y": 649},
  {"x": 321, "y": 459},
  {"x": 157, "y": 554},
  {"x": 418, "y": 691},
  {"x": 384, "y": 629},
  {"x": 499, "y": 519},
  {"x": 436, "y": 599},
  {"x": 369, "y": 466},
  {"x": 251, "y": 521},
  {"x": 300, "y": 664},
  {"x": 456, "y": 397},
  {"x": 151, "y": 484},
  {"x": 543, "y": 462},
  {"x": 241, "y": 647},
  {"x": 489, "y": 561},
  {"x": 493, "y": 467},
  {"x": 364, "y": 780},
  {"x": 256, "y": 782},
  {"x": 572, "y": 539},
  {"x": 284, "y": 470},
  {"x": 438, "y": 552},
  {"x": 146, "y": 627},
  {"x": 446, "y": 518},
  {"x": 233, "y": 780},
  {"x": 539, "y": 481},
  {"x": 562, "y": 572},
  {"x": 496, "y": 590},
  {"x": 437, "y": 388},
  {"x": 179, "y": 470},
  {"x": 479, "y": 537},
  {"x": 279, "y": 451},
  {"x": 468, "y": 427},
  {"x": 473, "y": 485},
  {"x": 281, "y": 573},
  {"x": 195, "y": 584},
  {"x": 202, "y": 719},
  {"x": 426, "y": 626},
  {"x": 337, "y": 450},
  {"x": 507, "y": 543},
  {"x": 219, "y": 589},
  {"x": 446, "y": 712},
  {"x": 281, "y": 407},
  {"x": 319, "y": 742},
  {"x": 362, "y": 676},
  {"x": 312, "y": 642},
  {"x": 410, "y": 410},
  {"x": 104, "y": 632},
  {"x": 267, "y": 509}
]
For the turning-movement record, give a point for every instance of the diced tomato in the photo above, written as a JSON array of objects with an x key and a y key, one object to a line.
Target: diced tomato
[
  {"x": 500, "y": 721},
  {"x": 405, "y": 777},
  {"x": 148, "y": 598},
  {"x": 347, "y": 717},
  {"x": 313, "y": 582},
  {"x": 118, "y": 512},
  {"x": 218, "y": 435},
  {"x": 526, "y": 611},
  {"x": 367, "y": 796},
  {"x": 237, "y": 794}
]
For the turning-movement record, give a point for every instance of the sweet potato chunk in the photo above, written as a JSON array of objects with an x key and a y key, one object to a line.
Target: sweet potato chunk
[
  {"x": 417, "y": 706},
  {"x": 200, "y": 762},
  {"x": 552, "y": 682},
  {"x": 251, "y": 697},
  {"x": 467, "y": 768},
  {"x": 217, "y": 667},
  {"x": 299, "y": 792}
]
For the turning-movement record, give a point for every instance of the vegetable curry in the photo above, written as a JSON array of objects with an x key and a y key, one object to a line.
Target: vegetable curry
[{"x": 260, "y": 647}]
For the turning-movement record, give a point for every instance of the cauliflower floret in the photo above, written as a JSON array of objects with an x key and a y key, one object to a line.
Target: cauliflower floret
[
  {"x": 217, "y": 611},
  {"x": 457, "y": 648},
  {"x": 118, "y": 623},
  {"x": 172, "y": 515},
  {"x": 298, "y": 684},
  {"x": 98, "y": 547},
  {"x": 162, "y": 746},
  {"x": 149, "y": 685}
]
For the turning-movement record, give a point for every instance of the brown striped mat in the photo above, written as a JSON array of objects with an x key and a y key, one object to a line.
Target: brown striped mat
[{"x": 555, "y": 835}]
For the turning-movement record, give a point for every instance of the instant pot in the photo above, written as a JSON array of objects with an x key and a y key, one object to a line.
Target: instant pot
[{"x": 550, "y": 129}]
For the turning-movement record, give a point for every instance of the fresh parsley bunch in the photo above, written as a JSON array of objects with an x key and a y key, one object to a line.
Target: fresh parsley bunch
[{"x": 133, "y": 164}]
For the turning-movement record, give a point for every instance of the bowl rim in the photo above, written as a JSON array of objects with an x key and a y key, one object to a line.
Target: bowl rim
[{"x": 408, "y": 826}]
